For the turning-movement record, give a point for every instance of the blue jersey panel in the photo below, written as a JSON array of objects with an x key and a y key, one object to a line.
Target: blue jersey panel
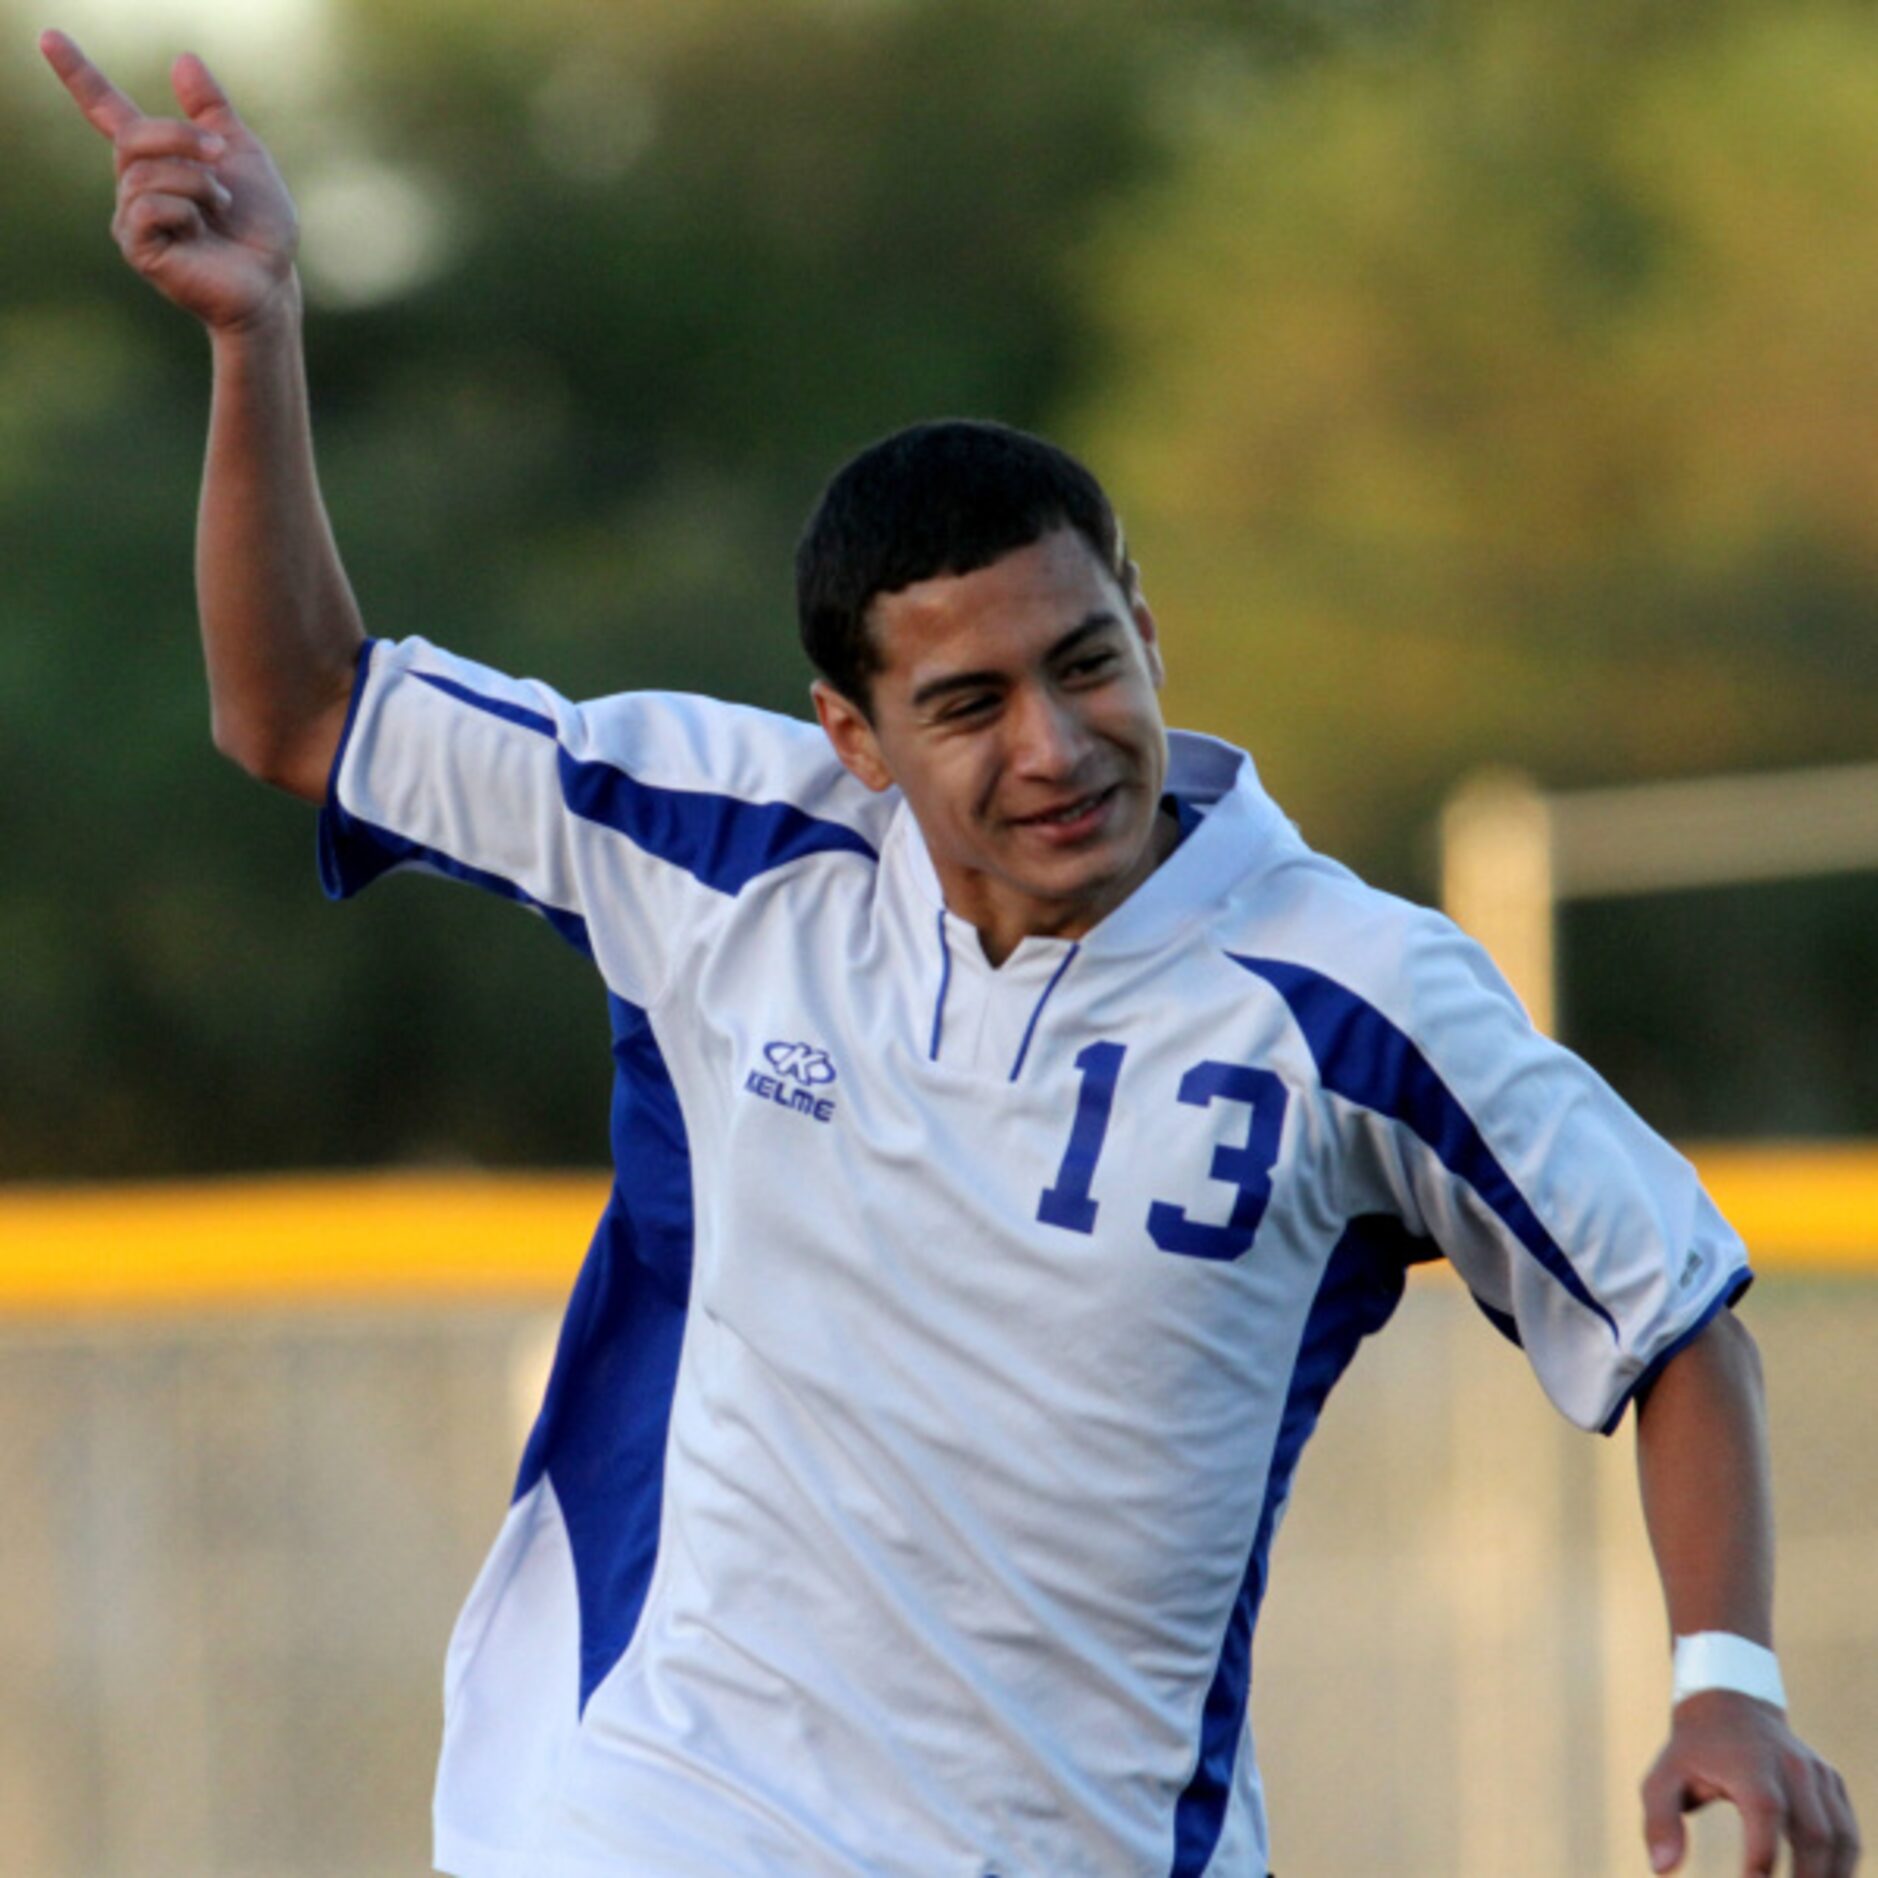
[
  {"x": 600, "y": 1437},
  {"x": 1360, "y": 1288}
]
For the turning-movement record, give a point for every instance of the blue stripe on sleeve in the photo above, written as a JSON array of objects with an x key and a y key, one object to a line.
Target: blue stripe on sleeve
[
  {"x": 537, "y": 721},
  {"x": 721, "y": 841},
  {"x": 1364, "y": 1058},
  {"x": 1361, "y": 1285},
  {"x": 353, "y": 854}
]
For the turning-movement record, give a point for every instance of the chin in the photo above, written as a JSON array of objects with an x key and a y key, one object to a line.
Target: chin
[{"x": 1095, "y": 879}]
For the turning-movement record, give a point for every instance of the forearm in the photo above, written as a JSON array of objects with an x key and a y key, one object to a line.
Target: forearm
[
  {"x": 1708, "y": 1502},
  {"x": 280, "y": 628},
  {"x": 1703, "y": 1469}
]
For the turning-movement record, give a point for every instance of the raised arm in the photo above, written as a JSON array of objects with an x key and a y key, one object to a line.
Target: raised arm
[
  {"x": 202, "y": 214},
  {"x": 1708, "y": 1503}
]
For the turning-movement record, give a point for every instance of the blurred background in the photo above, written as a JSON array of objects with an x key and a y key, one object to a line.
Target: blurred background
[{"x": 1485, "y": 388}]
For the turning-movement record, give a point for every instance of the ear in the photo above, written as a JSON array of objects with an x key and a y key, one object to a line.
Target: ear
[
  {"x": 847, "y": 728},
  {"x": 1150, "y": 636}
]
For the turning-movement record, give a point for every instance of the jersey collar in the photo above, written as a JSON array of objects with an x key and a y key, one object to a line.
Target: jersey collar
[{"x": 1240, "y": 832}]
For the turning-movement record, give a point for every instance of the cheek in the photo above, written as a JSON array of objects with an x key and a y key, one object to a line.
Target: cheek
[
  {"x": 960, "y": 768},
  {"x": 950, "y": 789}
]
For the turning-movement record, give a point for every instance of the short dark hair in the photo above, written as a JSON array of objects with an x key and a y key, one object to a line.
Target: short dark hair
[{"x": 947, "y": 497}]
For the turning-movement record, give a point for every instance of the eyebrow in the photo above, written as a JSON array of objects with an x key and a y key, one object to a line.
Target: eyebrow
[{"x": 1099, "y": 621}]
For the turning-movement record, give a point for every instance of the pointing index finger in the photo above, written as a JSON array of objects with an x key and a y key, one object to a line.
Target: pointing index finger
[{"x": 106, "y": 108}]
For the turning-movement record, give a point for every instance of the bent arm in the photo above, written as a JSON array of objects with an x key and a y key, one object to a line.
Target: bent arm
[
  {"x": 1702, "y": 1463},
  {"x": 203, "y": 216},
  {"x": 280, "y": 628}
]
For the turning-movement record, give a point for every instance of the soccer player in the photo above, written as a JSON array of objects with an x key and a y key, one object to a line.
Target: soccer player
[{"x": 1018, "y": 1129}]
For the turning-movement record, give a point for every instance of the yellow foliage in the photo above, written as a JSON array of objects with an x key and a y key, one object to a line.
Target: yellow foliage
[{"x": 1511, "y": 396}]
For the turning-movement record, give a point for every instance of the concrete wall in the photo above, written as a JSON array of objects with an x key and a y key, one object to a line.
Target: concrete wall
[{"x": 233, "y": 1547}]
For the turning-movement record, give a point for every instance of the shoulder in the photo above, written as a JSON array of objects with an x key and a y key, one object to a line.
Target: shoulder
[
  {"x": 1374, "y": 981},
  {"x": 1310, "y": 928}
]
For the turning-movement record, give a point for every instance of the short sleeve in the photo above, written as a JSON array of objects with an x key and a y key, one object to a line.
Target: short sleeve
[
  {"x": 626, "y": 823},
  {"x": 1580, "y": 1232}
]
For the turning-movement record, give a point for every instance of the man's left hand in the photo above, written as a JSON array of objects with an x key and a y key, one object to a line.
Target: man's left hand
[{"x": 1726, "y": 1746}]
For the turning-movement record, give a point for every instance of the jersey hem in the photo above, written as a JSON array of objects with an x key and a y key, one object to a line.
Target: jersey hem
[
  {"x": 460, "y": 1857},
  {"x": 457, "y": 1856}
]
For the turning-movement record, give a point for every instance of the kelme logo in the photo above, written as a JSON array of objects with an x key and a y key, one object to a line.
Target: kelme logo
[
  {"x": 800, "y": 1062},
  {"x": 800, "y": 1070}
]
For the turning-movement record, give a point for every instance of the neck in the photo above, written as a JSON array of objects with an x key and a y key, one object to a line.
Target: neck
[{"x": 1072, "y": 919}]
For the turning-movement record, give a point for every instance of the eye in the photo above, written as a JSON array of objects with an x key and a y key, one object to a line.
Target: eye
[
  {"x": 968, "y": 706},
  {"x": 1091, "y": 665}
]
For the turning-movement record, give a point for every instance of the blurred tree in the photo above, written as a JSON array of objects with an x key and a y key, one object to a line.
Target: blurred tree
[
  {"x": 599, "y": 298},
  {"x": 1477, "y": 382},
  {"x": 1506, "y": 394}
]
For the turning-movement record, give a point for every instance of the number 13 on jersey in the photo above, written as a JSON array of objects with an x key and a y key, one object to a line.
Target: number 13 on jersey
[{"x": 1069, "y": 1202}]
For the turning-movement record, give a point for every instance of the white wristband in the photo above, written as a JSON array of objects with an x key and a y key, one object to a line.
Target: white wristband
[{"x": 1717, "y": 1659}]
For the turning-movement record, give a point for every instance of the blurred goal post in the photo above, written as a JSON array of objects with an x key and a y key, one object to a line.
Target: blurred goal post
[{"x": 1511, "y": 853}]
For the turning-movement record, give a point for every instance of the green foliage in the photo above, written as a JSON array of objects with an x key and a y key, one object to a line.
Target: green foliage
[
  {"x": 1479, "y": 380},
  {"x": 688, "y": 258}
]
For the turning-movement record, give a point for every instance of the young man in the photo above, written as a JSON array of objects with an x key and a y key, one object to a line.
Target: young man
[{"x": 1018, "y": 1129}]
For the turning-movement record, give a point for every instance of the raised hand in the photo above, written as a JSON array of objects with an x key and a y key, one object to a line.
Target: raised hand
[{"x": 202, "y": 213}]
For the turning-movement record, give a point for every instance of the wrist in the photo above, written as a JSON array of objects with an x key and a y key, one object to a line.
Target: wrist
[
  {"x": 272, "y": 321},
  {"x": 1718, "y": 1659}
]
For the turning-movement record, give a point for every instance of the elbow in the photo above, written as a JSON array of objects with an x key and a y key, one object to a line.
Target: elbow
[
  {"x": 269, "y": 754},
  {"x": 285, "y": 736},
  {"x": 246, "y": 743}
]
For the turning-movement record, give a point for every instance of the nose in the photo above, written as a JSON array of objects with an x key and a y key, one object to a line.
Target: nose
[{"x": 1049, "y": 738}]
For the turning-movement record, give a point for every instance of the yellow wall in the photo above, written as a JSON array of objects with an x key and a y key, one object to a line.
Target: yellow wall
[
  {"x": 300, "y": 1238},
  {"x": 421, "y": 1236}
]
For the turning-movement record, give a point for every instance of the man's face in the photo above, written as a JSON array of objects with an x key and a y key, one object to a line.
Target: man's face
[{"x": 1015, "y": 708}]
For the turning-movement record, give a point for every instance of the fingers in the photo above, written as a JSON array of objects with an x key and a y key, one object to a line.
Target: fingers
[
  {"x": 200, "y": 94},
  {"x": 105, "y": 107},
  {"x": 161, "y": 201},
  {"x": 166, "y": 137},
  {"x": 112, "y": 113},
  {"x": 1842, "y": 1822},
  {"x": 154, "y": 223},
  {"x": 1814, "y": 1815},
  {"x": 1667, "y": 1846},
  {"x": 1663, "y": 1830},
  {"x": 1762, "y": 1818},
  {"x": 1819, "y": 1820},
  {"x": 1810, "y": 1825},
  {"x": 173, "y": 177},
  {"x": 1724, "y": 1747},
  {"x": 1852, "y": 1840}
]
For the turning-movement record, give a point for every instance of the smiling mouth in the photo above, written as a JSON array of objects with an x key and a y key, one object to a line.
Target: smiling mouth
[{"x": 1071, "y": 812}]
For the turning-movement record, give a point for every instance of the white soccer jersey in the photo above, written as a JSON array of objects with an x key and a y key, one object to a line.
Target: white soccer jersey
[{"x": 902, "y": 1498}]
